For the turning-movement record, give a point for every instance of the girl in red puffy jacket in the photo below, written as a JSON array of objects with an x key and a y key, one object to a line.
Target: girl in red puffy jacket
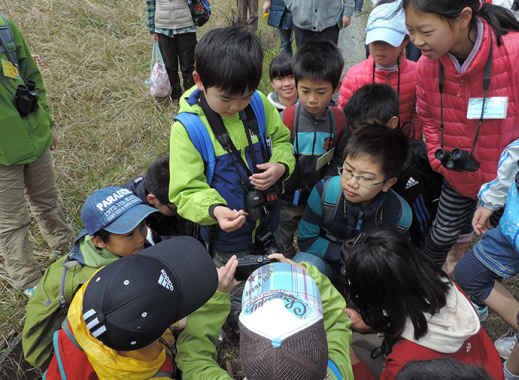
[
  {"x": 386, "y": 37},
  {"x": 469, "y": 51}
]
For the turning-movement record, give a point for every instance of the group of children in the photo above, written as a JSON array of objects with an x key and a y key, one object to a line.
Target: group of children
[{"x": 357, "y": 183}]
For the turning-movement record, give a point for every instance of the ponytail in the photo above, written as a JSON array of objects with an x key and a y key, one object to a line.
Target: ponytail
[{"x": 500, "y": 19}]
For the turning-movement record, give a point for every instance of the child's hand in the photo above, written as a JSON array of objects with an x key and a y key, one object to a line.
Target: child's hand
[
  {"x": 266, "y": 6},
  {"x": 229, "y": 220},
  {"x": 346, "y": 20},
  {"x": 282, "y": 259},
  {"x": 481, "y": 220},
  {"x": 226, "y": 280},
  {"x": 357, "y": 323},
  {"x": 272, "y": 172}
]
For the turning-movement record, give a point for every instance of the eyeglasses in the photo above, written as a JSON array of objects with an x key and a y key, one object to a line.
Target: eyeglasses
[{"x": 348, "y": 174}]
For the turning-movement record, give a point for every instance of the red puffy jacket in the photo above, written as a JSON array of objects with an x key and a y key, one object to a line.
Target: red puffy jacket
[
  {"x": 362, "y": 74},
  {"x": 459, "y": 132}
]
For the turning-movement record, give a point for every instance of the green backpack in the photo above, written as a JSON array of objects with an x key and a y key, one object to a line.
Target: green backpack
[{"x": 48, "y": 306}]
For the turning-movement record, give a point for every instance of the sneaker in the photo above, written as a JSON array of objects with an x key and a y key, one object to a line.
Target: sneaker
[
  {"x": 482, "y": 311},
  {"x": 29, "y": 291},
  {"x": 505, "y": 344}
]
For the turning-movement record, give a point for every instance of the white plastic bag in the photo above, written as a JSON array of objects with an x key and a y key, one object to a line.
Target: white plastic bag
[{"x": 159, "y": 80}]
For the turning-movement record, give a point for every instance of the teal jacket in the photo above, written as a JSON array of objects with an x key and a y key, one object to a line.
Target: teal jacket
[
  {"x": 23, "y": 139},
  {"x": 196, "y": 350},
  {"x": 189, "y": 189}
]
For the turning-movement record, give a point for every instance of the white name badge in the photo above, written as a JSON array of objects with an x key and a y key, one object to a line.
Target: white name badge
[
  {"x": 324, "y": 159},
  {"x": 495, "y": 108}
]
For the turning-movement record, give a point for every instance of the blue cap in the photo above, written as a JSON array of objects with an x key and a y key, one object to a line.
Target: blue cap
[
  {"x": 114, "y": 209},
  {"x": 386, "y": 23}
]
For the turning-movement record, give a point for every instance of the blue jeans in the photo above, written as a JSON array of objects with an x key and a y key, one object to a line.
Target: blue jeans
[
  {"x": 316, "y": 261},
  {"x": 285, "y": 39}
]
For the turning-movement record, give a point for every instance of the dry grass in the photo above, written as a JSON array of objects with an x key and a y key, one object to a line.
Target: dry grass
[{"x": 95, "y": 59}]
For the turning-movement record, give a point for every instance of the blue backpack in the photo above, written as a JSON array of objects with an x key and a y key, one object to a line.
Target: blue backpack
[
  {"x": 202, "y": 141},
  {"x": 7, "y": 45},
  {"x": 200, "y": 11}
]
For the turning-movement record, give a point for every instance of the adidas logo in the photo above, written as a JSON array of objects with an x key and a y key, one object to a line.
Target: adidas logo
[
  {"x": 411, "y": 182},
  {"x": 165, "y": 281}
]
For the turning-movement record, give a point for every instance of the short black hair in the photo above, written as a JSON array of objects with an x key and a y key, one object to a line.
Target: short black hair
[
  {"x": 387, "y": 146},
  {"x": 104, "y": 235},
  {"x": 392, "y": 283},
  {"x": 281, "y": 66},
  {"x": 318, "y": 60},
  {"x": 371, "y": 102},
  {"x": 229, "y": 58},
  {"x": 441, "y": 369},
  {"x": 156, "y": 180}
]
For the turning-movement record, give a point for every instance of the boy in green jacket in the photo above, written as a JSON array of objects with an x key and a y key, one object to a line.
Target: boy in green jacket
[
  {"x": 25, "y": 163},
  {"x": 250, "y": 149},
  {"x": 114, "y": 221},
  {"x": 292, "y": 326}
]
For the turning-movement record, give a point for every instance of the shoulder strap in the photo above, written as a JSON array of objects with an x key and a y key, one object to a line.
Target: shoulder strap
[
  {"x": 340, "y": 121},
  {"x": 259, "y": 111},
  {"x": 406, "y": 214},
  {"x": 66, "y": 330},
  {"x": 162, "y": 374},
  {"x": 67, "y": 264},
  {"x": 201, "y": 140},
  {"x": 288, "y": 119},
  {"x": 7, "y": 41},
  {"x": 330, "y": 199}
]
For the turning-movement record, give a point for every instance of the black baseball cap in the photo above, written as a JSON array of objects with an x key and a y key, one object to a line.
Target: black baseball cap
[{"x": 129, "y": 303}]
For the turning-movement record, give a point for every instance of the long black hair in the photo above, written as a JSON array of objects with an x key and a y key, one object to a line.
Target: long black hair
[
  {"x": 500, "y": 19},
  {"x": 390, "y": 281}
]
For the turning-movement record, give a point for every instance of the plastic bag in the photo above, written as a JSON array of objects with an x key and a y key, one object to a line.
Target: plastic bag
[{"x": 160, "y": 87}]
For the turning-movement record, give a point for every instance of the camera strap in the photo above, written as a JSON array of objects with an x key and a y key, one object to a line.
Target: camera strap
[
  {"x": 222, "y": 136},
  {"x": 486, "y": 84}
]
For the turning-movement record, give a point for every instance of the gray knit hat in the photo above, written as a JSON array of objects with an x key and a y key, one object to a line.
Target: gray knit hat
[{"x": 282, "y": 333}]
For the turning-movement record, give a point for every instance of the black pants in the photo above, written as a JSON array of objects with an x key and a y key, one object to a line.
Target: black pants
[
  {"x": 179, "y": 49},
  {"x": 303, "y": 35}
]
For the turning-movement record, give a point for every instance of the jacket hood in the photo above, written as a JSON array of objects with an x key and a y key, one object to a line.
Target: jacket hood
[
  {"x": 108, "y": 363},
  {"x": 189, "y": 102},
  {"x": 87, "y": 254},
  {"x": 450, "y": 327}
]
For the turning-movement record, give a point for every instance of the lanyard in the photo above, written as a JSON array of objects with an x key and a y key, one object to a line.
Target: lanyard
[
  {"x": 486, "y": 84},
  {"x": 220, "y": 132},
  {"x": 296, "y": 129}
]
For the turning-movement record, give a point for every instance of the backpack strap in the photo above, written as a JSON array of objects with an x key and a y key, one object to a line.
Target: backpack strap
[
  {"x": 67, "y": 264},
  {"x": 8, "y": 47},
  {"x": 66, "y": 329},
  {"x": 406, "y": 214},
  {"x": 200, "y": 136},
  {"x": 288, "y": 119},
  {"x": 201, "y": 140},
  {"x": 330, "y": 199},
  {"x": 163, "y": 374},
  {"x": 340, "y": 122}
]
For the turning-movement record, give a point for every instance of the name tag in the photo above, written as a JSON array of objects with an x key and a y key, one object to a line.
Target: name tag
[
  {"x": 324, "y": 159},
  {"x": 9, "y": 70},
  {"x": 495, "y": 108}
]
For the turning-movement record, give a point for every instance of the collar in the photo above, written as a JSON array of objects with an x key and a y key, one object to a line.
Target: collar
[
  {"x": 308, "y": 115},
  {"x": 462, "y": 68}
]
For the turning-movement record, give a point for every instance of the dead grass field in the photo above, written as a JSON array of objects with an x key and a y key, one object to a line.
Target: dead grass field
[{"x": 95, "y": 59}]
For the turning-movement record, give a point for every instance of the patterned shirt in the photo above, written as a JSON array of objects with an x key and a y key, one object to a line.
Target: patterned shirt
[{"x": 150, "y": 23}]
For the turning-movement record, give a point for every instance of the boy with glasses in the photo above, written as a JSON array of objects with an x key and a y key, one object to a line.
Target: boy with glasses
[{"x": 357, "y": 200}]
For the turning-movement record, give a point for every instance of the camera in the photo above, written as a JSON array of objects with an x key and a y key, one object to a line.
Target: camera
[
  {"x": 248, "y": 264},
  {"x": 26, "y": 98},
  {"x": 256, "y": 203},
  {"x": 458, "y": 160}
]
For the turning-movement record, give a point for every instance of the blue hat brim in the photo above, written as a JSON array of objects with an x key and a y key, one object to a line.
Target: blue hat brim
[{"x": 130, "y": 219}]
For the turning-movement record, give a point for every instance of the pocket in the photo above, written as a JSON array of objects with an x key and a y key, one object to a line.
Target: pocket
[{"x": 16, "y": 145}]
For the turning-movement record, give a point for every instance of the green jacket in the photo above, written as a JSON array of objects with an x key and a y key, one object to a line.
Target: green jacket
[
  {"x": 188, "y": 188},
  {"x": 23, "y": 140},
  {"x": 196, "y": 350},
  {"x": 45, "y": 310}
]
